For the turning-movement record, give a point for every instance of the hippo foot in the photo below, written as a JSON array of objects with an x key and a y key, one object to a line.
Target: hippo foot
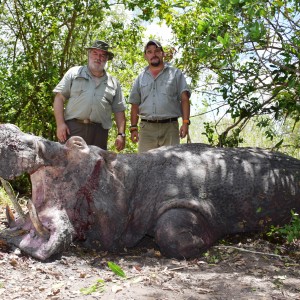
[{"x": 182, "y": 234}]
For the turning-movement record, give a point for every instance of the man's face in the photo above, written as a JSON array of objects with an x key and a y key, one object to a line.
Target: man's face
[
  {"x": 154, "y": 56},
  {"x": 97, "y": 58}
]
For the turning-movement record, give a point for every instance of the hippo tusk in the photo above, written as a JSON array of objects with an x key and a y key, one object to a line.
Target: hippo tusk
[
  {"x": 14, "y": 201},
  {"x": 10, "y": 217},
  {"x": 39, "y": 227}
]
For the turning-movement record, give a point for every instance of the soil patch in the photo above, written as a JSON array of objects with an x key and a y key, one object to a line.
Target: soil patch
[{"x": 238, "y": 268}]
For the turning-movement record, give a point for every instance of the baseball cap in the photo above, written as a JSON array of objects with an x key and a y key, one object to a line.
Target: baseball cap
[{"x": 155, "y": 43}]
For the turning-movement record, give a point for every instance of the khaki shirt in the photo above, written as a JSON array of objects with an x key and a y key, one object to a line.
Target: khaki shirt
[
  {"x": 86, "y": 100},
  {"x": 160, "y": 97}
]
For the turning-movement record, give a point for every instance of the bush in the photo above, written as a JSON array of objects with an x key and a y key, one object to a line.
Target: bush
[{"x": 289, "y": 232}]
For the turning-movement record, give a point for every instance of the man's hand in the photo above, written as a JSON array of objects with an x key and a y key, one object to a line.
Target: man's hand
[
  {"x": 184, "y": 130},
  {"x": 134, "y": 136},
  {"x": 120, "y": 143},
  {"x": 62, "y": 132}
]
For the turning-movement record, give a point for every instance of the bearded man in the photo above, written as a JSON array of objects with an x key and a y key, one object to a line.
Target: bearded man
[
  {"x": 159, "y": 96},
  {"x": 85, "y": 99}
]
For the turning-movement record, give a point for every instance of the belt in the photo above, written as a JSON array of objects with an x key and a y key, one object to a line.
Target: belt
[
  {"x": 85, "y": 121},
  {"x": 161, "y": 121}
]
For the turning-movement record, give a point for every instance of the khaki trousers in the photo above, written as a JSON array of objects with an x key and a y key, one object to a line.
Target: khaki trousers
[{"x": 154, "y": 135}]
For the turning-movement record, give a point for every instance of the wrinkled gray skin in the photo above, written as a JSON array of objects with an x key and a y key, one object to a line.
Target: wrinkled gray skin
[{"x": 187, "y": 196}]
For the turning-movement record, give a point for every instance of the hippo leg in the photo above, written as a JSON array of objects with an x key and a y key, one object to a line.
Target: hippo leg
[{"x": 183, "y": 233}]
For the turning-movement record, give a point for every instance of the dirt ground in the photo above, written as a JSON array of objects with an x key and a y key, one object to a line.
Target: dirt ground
[{"x": 238, "y": 268}]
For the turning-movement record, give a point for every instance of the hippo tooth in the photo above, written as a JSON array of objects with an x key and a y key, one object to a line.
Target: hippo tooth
[
  {"x": 10, "y": 217},
  {"x": 39, "y": 227}
]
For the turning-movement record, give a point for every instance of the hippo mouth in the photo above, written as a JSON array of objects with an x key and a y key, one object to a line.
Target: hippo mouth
[
  {"x": 46, "y": 228},
  {"x": 43, "y": 231},
  {"x": 60, "y": 209},
  {"x": 58, "y": 172}
]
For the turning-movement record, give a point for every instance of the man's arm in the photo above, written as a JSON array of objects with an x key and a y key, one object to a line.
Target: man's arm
[
  {"x": 62, "y": 129},
  {"x": 185, "y": 107},
  {"x": 134, "y": 118},
  {"x": 121, "y": 125}
]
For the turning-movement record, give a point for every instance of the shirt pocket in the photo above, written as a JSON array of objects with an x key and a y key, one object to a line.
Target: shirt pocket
[
  {"x": 145, "y": 90},
  {"x": 167, "y": 87},
  {"x": 79, "y": 86},
  {"x": 109, "y": 93}
]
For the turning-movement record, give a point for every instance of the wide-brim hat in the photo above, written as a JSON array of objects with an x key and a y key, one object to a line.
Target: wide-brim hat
[
  {"x": 155, "y": 43},
  {"x": 102, "y": 46}
]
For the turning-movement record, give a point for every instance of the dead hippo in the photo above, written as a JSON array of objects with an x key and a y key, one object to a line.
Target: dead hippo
[{"x": 186, "y": 197}]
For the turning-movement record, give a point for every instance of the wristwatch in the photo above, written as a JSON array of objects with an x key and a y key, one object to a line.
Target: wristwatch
[{"x": 122, "y": 134}]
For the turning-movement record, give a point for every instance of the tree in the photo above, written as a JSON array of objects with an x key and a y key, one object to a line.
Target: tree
[
  {"x": 242, "y": 56},
  {"x": 248, "y": 52},
  {"x": 41, "y": 39}
]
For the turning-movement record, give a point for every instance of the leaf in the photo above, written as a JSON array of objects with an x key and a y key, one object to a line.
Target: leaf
[
  {"x": 116, "y": 269},
  {"x": 97, "y": 287},
  {"x": 278, "y": 144}
]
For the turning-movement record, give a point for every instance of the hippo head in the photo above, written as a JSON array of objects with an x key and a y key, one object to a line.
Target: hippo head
[{"x": 61, "y": 176}]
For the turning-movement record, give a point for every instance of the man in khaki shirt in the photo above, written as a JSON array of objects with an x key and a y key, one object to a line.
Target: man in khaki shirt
[
  {"x": 159, "y": 96},
  {"x": 91, "y": 96}
]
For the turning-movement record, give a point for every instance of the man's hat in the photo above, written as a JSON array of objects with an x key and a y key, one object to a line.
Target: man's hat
[
  {"x": 155, "y": 43},
  {"x": 102, "y": 46}
]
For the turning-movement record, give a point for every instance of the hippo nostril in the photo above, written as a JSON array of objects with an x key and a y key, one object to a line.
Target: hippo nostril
[{"x": 77, "y": 143}]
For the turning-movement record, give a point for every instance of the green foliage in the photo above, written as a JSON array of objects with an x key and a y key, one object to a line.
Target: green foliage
[
  {"x": 212, "y": 257},
  {"x": 209, "y": 132},
  {"x": 245, "y": 54},
  {"x": 289, "y": 232},
  {"x": 22, "y": 185},
  {"x": 280, "y": 136},
  {"x": 116, "y": 269},
  {"x": 246, "y": 50},
  {"x": 40, "y": 40},
  {"x": 99, "y": 286}
]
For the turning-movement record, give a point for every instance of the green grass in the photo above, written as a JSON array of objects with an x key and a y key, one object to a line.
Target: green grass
[{"x": 4, "y": 199}]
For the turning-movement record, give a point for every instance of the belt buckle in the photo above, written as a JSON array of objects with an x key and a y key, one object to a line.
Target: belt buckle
[{"x": 86, "y": 121}]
